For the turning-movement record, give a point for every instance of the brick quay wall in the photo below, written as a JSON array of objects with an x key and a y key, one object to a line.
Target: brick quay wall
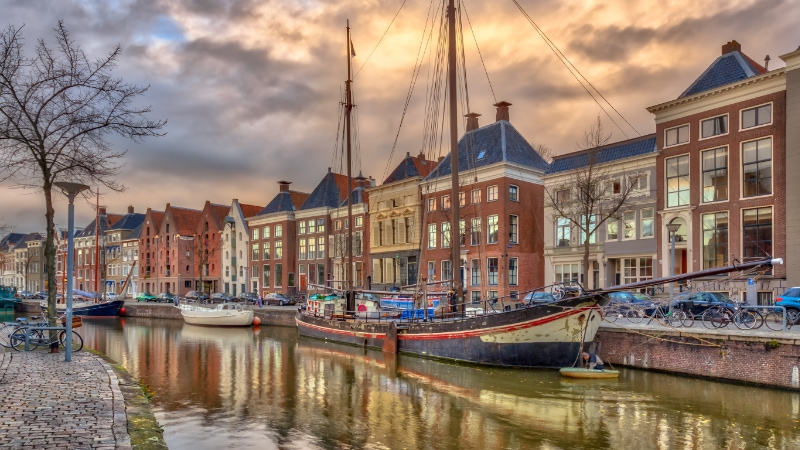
[{"x": 757, "y": 357}]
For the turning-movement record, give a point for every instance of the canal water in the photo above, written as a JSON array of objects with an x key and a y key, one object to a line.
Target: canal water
[{"x": 268, "y": 388}]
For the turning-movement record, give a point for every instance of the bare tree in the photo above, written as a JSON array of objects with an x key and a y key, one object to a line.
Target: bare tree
[
  {"x": 544, "y": 151},
  {"x": 590, "y": 195},
  {"x": 204, "y": 251},
  {"x": 57, "y": 109}
]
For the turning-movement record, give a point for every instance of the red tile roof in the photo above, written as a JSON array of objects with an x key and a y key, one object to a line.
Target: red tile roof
[
  {"x": 158, "y": 217},
  {"x": 250, "y": 210},
  {"x": 185, "y": 219},
  {"x": 298, "y": 198},
  {"x": 113, "y": 218},
  {"x": 341, "y": 182},
  {"x": 219, "y": 212}
]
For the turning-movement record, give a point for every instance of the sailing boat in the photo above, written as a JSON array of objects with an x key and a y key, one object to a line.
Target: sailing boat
[{"x": 549, "y": 335}]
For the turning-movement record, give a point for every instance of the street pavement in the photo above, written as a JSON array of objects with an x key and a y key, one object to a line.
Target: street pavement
[
  {"x": 699, "y": 328},
  {"x": 47, "y": 403}
]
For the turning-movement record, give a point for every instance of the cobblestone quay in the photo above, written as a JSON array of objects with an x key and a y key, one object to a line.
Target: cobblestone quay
[{"x": 46, "y": 402}]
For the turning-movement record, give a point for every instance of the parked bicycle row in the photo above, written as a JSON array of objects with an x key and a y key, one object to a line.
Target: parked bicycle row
[{"x": 15, "y": 334}]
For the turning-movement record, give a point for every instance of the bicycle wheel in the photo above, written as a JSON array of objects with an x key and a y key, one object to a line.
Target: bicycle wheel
[
  {"x": 17, "y": 339},
  {"x": 5, "y": 334},
  {"x": 723, "y": 318},
  {"x": 77, "y": 340},
  {"x": 774, "y": 320},
  {"x": 708, "y": 318},
  {"x": 759, "y": 320},
  {"x": 744, "y": 320},
  {"x": 675, "y": 317},
  {"x": 611, "y": 314},
  {"x": 634, "y": 315},
  {"x": 688, "y": 319}
]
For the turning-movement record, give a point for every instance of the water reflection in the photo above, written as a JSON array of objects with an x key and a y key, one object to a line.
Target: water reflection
[{"x": 267, "y": 388}]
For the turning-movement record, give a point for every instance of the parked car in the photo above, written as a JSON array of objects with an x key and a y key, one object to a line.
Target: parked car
[
  {"x": 697, "y": 303},
  {"x": 278, "y": 300},
  {"x": 219, "y": 297},
  {"x": 539, "y": 297},
  {"x": 167, "y": 297},
  {"x": 791, "y": 301},
  {"x": 146, "y": 297},
  {"x": 623, "y": 301},
  {"x": 24, "y": 294},
  {"x": 41, "y": 295},
  {"x": 194, "y": 295},
  {"x": 250, "y": 297}
]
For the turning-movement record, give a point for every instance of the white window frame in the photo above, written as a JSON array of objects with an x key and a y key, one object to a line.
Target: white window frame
[
  {"x": 513, "y": 229},
  {"x": 771, "y": 116},
  {"x": 493, "y": 189},
  {"x": 611, "y": 222},
  {"x": 431, "y": 204},
  {"x": 639, "y": 177},
  {"x": 741, "y": 168},
  {"x": 445, "y": 202},
  {"x": 702, "y": 174},
  {"x": 625, "y": 225},
  {"x": 489, "y": 227},
  {"x": 666, "y": 182},
  {"x": 432, "y": 238},
  {"x": 688, "y": 134},
  {"x": 475, "y": 193},
  {"x": 652, "y": 225},
  {"x": 728, "y": 126}
]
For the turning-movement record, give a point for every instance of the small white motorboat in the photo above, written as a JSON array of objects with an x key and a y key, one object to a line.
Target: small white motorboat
[{"x": 223, "y": 315}]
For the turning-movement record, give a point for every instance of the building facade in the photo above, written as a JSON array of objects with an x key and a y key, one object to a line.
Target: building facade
[
  {"x": 622, "y": 246},
  {"x": 722, "y": 172},
  {"x": 236, "y": 239}
]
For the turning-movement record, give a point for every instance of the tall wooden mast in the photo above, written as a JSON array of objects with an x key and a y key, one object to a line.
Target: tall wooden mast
[
  {"x": 455, "y": 200},
  {"x": 348, "y": 110},
  {"x": 97, "y": 244}
]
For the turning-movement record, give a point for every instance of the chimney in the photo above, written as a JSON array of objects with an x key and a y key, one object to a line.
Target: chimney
[
  {"x": 167, "y": 205},
  {"x": 766, "y": 63},
  {"x": 284, "y": 185},
  {"x": 421, "y": 157},
  {"x": 102, "y": 211},
  {"x": 130, "y": 209},
  {"x": 731, "y": 46},
  {"x": 472, "y": 120},
  {"x": 502, "y": 111},
  {"x": 361, "y": 182},
  {"x": 371, "y": 182}
]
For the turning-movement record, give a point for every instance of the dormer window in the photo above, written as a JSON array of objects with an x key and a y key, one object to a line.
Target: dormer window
[{"x": 482, "y": 154}]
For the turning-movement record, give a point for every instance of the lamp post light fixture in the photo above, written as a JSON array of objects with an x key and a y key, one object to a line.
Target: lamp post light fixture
[
  {"x": 673, "y": 234},
  {"x": 71, "y": 190}
]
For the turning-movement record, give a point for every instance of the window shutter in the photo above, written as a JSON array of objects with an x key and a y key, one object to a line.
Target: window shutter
[
  {"x": 375, "y": 238},
  {"x": 401, "y": 231}
]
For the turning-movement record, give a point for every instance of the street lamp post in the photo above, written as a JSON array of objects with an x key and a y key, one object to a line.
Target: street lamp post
[
  {"x": 71, "y": 190},
  {"x": 673, "y": 233}
]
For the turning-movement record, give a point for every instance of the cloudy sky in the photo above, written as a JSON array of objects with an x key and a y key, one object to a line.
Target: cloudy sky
[{"x": 251, "y": 88}]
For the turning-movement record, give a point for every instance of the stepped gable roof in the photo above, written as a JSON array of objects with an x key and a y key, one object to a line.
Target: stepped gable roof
[
  {"x": 128, "y": 222},
  {"x": 113, "y": 218},
  {"x": 250, "y": 210},
  {"x": 494, "y": 143},
  {"x": 409, "y": 167},
  {"x": 185, "y": 219},
  {"x": 10, "y": 240},
  {"x": 607, "y": 153},
  {"x": 158, "y": 217},
  {"x": 329, "y": 192},
  {"x": 728, "y": 68}
]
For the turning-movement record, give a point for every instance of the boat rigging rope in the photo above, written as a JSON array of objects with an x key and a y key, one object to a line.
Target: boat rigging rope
[
  {"x": 464, "y": 6},
  {"x": 573, "y": 70},
  {"x": 704, "y": 342},
  {"x": 380, "y": 40}
]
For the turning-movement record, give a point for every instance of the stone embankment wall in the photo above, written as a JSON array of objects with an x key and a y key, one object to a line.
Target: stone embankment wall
[
  {"x": 762, "y": 359},
  {"x": 278, "y": 315}
]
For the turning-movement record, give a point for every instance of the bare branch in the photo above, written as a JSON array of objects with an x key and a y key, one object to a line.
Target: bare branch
[{"x": 58, "y": 108}]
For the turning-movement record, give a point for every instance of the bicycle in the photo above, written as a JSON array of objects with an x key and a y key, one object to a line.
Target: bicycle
[
  {"x": 721, "y": 316},
  {"x": 675, "y": 318},
  {"x": 774, "y": 319},
  {"x": 633, "y": 314},
  {"x": 8, "y": 328},
  {"x": 42, "y": 337}
]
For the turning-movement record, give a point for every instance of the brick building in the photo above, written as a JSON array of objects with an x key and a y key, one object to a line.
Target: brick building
[
  {"x": 130, "y": 262},
  {"x": 337, "y": 237},
  {"x": 273, "y": 244},
  {"x": 502, "y": 210},
  {"x": 114, "y": 236},
  {"x": 395, "y": 215},
  {"x": 314, "y": 227},
  {"x": 722, "y": 170},
  {"x": 147, "y": 250},
  {"x": 89, "y": 256}
]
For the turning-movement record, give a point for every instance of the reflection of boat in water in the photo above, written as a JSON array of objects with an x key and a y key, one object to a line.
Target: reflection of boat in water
[
  {"x": 238, "y": 336},
  {"x": 586, "y": 374},
  {"x": 225, "y": 315}
]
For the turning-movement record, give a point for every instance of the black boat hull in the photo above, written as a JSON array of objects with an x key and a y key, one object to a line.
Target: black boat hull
[{"x": 102, "y": 309}]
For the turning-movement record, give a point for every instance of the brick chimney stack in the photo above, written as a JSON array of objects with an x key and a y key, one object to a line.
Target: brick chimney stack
[
  {"x": 502, "y": 111},
  {"x": 130, "y": 209},
  {"x": 102, "y": 211},
  {"x": 284, "y": 185},
  {"x": 421, "y": 157},
  {"x": 361, "y": 181},
  {"x": 731, "y": 46},
  {"x": 472, "y": 121}
]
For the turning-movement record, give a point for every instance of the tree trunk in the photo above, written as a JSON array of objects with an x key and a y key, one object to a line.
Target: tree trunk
[
  {"x": 50, "y": 257},
  {"x": 586, "y": 240}
]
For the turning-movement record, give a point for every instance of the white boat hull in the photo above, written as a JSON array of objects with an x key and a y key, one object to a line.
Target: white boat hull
[{"x": 222, "y": 316}]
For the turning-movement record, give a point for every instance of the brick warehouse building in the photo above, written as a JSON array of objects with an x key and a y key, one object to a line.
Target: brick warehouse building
[
  {"x": 722, "y": 171},
  {"x": 502, "y": 209}
]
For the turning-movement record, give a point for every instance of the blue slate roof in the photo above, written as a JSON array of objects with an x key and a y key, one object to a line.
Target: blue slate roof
[
  {"x": 406, "y": 169},
  {"x": 498, "y": 142},
  {"x": 608, "y": 153},
  {"x": 356, "y": 197},
  {"x": 129, "y": 222},
  {"x": 327, "y": 193},
  {"x": 728, "y": 68},
  {"x": 135, "y": 233},
  {"x": 280, "y": 203},
  {"x": 10, "y": 239}
]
